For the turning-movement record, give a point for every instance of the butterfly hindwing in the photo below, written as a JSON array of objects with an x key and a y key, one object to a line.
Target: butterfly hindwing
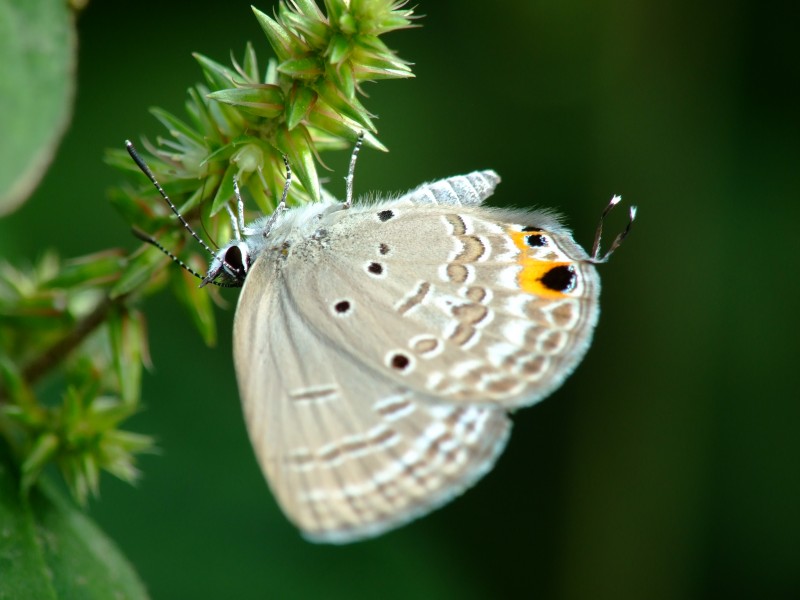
[{"x": 347, "y": 452}]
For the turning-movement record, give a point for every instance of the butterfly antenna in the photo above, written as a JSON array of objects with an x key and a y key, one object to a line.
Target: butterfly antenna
[
  {"x": 146, "y": 238},
  {"x": 146, "y": 170},
  {"x": 348, "y": 200},
  {"x": 151, "y": 240},
  {"x": 618, "y": 240}
]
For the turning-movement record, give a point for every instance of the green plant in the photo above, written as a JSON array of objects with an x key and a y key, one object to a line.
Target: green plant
[{"x": 80, "y": 320}]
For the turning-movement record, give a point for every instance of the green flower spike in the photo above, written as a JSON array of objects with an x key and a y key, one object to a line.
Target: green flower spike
[
  {"x": 79, "y": 318},
  {"x": 60, "y": 314},
  {"x": 241, "y": 121}
]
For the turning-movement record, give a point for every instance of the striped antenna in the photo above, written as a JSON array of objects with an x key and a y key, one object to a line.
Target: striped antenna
[
  {"x": 595, "y": 257},
  {"x": 150, "y": 240}
]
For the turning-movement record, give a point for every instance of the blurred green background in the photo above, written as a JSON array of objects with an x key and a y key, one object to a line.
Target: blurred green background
[{"x": 668, "y": 466}]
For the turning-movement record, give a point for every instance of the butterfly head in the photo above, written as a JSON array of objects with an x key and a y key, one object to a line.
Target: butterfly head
[{"x": 229, "y": 265}]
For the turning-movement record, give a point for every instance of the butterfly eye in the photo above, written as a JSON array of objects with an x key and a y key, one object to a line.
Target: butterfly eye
[{"x": 235, "y": 260}]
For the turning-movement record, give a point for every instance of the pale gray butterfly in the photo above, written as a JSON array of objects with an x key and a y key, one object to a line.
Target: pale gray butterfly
[{"x": 380, "y": 346}]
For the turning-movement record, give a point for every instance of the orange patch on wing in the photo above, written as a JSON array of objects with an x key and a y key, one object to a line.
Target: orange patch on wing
[{"x": 534, "y": 269}]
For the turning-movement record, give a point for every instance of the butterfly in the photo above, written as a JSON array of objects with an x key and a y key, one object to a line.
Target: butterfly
[{"x": 380, "y": 346}]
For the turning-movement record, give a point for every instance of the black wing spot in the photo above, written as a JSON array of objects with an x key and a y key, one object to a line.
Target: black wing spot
[
  {"x": 536, "y": 240},
  {"x": 375, "y": 268},
  {"x": 342, "y": 307},
  {"x": 385, "y": 215},
  {"x": 560, "y": 279},
  {"x": 400, "y": 362}
]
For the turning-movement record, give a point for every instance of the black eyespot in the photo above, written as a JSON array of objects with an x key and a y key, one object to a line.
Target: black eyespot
[
  {"x": 375, "y": 268},
  {"x": 385, "y": 215},
  {"x": 400, "y": 362},
  {"x": 560, "y": 279},
  {"x": 529, "y": 228},
  {"x": 535, "y": 240},
  {"x": 341, "y": 307},
  {"x": 383, "y": 249}
]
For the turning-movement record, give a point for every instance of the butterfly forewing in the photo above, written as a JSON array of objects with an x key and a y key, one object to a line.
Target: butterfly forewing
[{"x": 458, "y": 302}]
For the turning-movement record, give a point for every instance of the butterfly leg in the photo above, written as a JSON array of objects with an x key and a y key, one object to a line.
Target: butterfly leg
[{"x": 348, "y": 201}]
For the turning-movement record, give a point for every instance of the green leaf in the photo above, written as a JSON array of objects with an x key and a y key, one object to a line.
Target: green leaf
[
  {"x": 196, "y": 106},
  {"x": 263, "y": 101},
  {"x": 197, "y": 301},
  {"x": 38, "y": 58},
  {"x": 225, "y": 191},
  {"x": 339, "y": 49},
  {"x": 14, "y": 386},
  {"x": 127, "y": 334},
  {"x": 87, "y": 271},
  {"x": 217, "y": 75},
  {"x": 22, "y": 561},
  {"x": 296, "y": 146},
  {"x": 300, "y": 102},
  {"x": 342, "y": 77},
  {"x": 325, "y": 119},
  {"x": 335, "y": 9},
  {"x": 278, "y": 37},
  {"x": 201, "y": 194},
  {"x": 44, "y": 448},
  {"x": 302, "y": 68},
  {"x": 49, "y": 550},
  {"x": 313, "y": 29},
  {"x": 250, "y": 67},
  {"x": 176, "y": 128},
  {"x": 309, "y": 8},
  {"x": 349, "y": 107},
  {"x": 143, "y": 267},
  {"x": 348, "y": 24}
]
